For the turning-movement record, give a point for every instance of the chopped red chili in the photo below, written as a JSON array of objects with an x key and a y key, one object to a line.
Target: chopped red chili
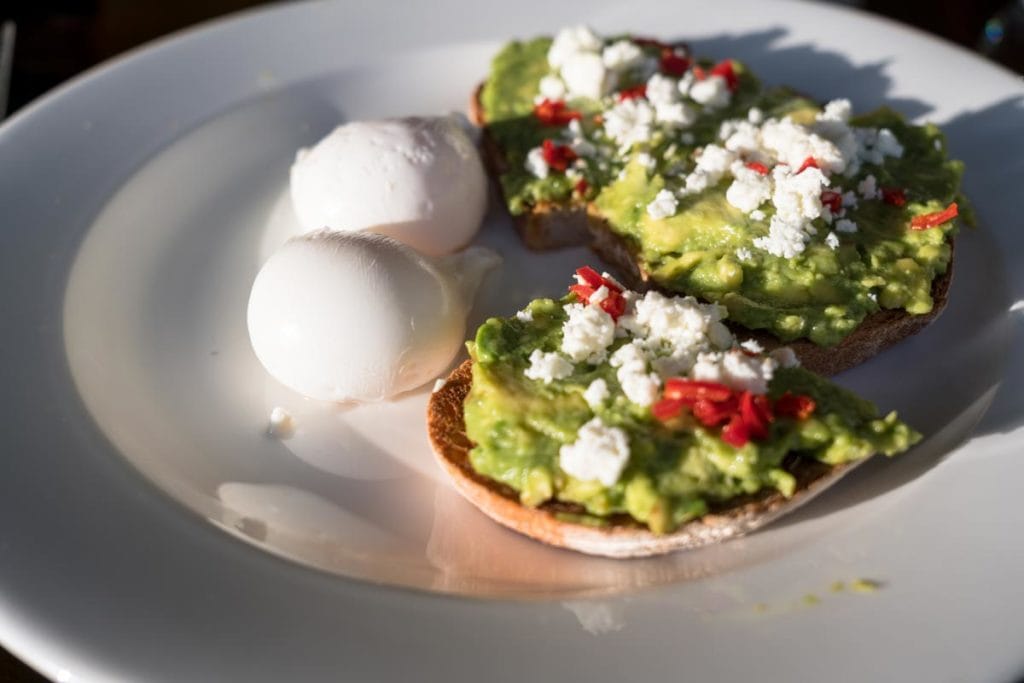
[
  {"x": 794, "y": 405},
  {"x": 833, "y": 200},
  {"x": 633, "y": 93},
  {"x": 666, "y": 409},
  {"x": 689, "y": 390},
  {"x": 581, "y": 186},
  {"x": 554, "y": 113},
  {"x": 756, "y": 166},
  {"x": 712, "y": 413},
  {"x": 557, "y": 157},
  {"x": 931, "y": 220},
  {"x": 756, "y": 413},
  {"x": 672, "y": 63},
  {"x": 809, "y": 162},
  {"x": 726, "y": 71},
  {"x": 737, "y": 432},
  {"x": 614, "y": 304},
  {"x": 894, "y": 195}
]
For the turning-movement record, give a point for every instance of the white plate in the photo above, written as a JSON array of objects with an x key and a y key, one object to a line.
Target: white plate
[{"x": 138, "y": 203}]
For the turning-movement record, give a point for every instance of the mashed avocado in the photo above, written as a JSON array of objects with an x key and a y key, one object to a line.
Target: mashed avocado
[
  {"x": 676, "y": 468},
  {"x": 856, "y": 259}
]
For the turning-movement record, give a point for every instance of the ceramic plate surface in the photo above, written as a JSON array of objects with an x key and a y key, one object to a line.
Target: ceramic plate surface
[{"x": 150, "y": 530}]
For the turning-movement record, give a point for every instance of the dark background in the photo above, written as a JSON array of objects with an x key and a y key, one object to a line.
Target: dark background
[{"x": 57, "y": 39}]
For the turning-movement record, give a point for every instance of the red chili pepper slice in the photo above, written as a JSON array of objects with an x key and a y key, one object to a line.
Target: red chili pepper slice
[
  {"x": 894, "y": 195},
  {"x": 809, "y": 162},
  {"x": 581, "y": 186},
  {"x": 797, "y": 406},
  {"x": 614, "y": 304},
  {"x": 699, "y": 73},
  {"x": 633, "y": 93},
  {"x": 583, "y": 292},
  {"x": 930, "y": 220},
  {"x": 690, "y": 391},
  {"x": 712, "y": 413},
  {"x": 672, "y": 63},
  {"x": 756, "y": 413},
  {"x": 590, "y": 276},
  {"x": 557, "y": 157},
  {"x": 756, "y": 166},
  {"x": 833, "y": 200},
  {"x": 554, "y": 113},
  {"x": 666, "y": 409},
  {"x": 726, "y": 71},
  {"x": 736, "y": 433}
]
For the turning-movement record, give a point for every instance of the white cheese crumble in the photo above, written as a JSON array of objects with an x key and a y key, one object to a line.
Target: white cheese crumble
[
  {"x": 662, "y": 89},
  {"x": 547, "y": 366},
  {"x": 785, "y": 238},
  {"x": 672, "y": 330},
  {"x": 752, "y": 345},
  {"x": 785, "y": 357},
  {"x": 832, "y": 241},
  {"x": 736, "y": 370},
  {"x": 639, "y": 386},
  {"x": 850, "y": 199},
  {"x": 599, "y": 295},
  {"x": 585, "y": 75},
  {"x": 597, "y": 393},
  {"x": 845, "y": 225},
  {"x": 868, "y": 188},
  {"x": 622, "y": 55},
  {"x": 629, "y": 122},
  {"x": 749, "y": 188},
  {"x": 525, "y": 315},
  {"x": 599, "y": 453},
  {"x": 571, "y": 41},
  {"x": 712, "y": 164},
  {"x": 281, "y": 425},
  {"x": 755, "y": 115},
  {"x": 587, "y": 333},
  {"x": 536, "y": 164},
  {"x": 791, "y": 144},
  {"x": 645, "y": 160},
  {"x": 712, "y": 92},
  {"x": 744, "y": 254},
  {"x": 552, "y": 88},
  {"x": 664, "y": 205},
  {"x": 757, "y": 215}
]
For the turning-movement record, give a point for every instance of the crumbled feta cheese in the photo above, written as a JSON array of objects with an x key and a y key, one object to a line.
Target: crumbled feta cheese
[
  {"x": 629, "y": 122},
  {"x": 868, "y": 188},
  {"x": 887, "y": 144},
  {"x": 547, "y": 366},
  {"x": 832, "y": 241},
  {"x": 850, "y": 199},
  {"x": 536, "y": 164},
  {"x": 873, "y": 145},
  {"x": 753, "y": 346},
  {"x": 735, "y": 369},
  {"x": 791, "y": 143},
  {"x": 845, "y": 225},
  {"x": 587, "y": 333},
  {"x": 599, "y": 295},
  {"x": 785, "y": 357},
  {"x": 573, "y": 136},
  {"x": 744, "y": 254},
  {"x": 662, "y": 89},
  {"x": 676, "y": 115},
  {"x": 597, "y": 393},
  {"x": 622, "y": 55},
  {"x": 757, "y": 215},
  {"x": 639, "y": 386},
  {"x": 599, "y": 453},
  {"x": 664, "y": 205},
  {"x": 797, "y": 196},
  {"x": 525, "y": 316},
  {"x": 572, "y": 41},
  {"x": 749, "y": 189},
  {"x": 755, "y": 115},
  {"x": 281, "y": 425},
  {"x": 712, "y": 164},
  {"x": 645, "y": 160},
  {"x": 785, "y": 238},
  {"x": 712, "y": 92},
  {"x": 552, "y": 88},
  {"x": 585, "y": 76},
  {"x": 678, "y": 326},
  {"x": 873, "y": 296}
]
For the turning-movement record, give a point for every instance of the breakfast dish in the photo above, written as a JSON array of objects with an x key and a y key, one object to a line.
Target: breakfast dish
[
  {"x": 626, "y": 424},
  {"x": 811, "y": 225}
]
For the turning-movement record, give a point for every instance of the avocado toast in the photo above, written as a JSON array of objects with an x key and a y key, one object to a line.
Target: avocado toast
[
  {"x": 625, "y": 424},
  {"x": 814, "y": 227}
]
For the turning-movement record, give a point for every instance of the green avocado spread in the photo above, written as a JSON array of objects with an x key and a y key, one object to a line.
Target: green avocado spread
[
  {"x": 677, "y": 469},
  {"x": 853, "y": 258}
]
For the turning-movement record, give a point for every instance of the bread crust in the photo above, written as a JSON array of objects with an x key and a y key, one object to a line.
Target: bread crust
[
  {"x": 623, "y": 537},
  {"x": 552, "y": 226}
]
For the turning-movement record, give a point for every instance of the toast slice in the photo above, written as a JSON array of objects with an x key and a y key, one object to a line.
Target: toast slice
[
  {"x": 575, "y": 223},
  {"x": 555, "y": 523}
]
